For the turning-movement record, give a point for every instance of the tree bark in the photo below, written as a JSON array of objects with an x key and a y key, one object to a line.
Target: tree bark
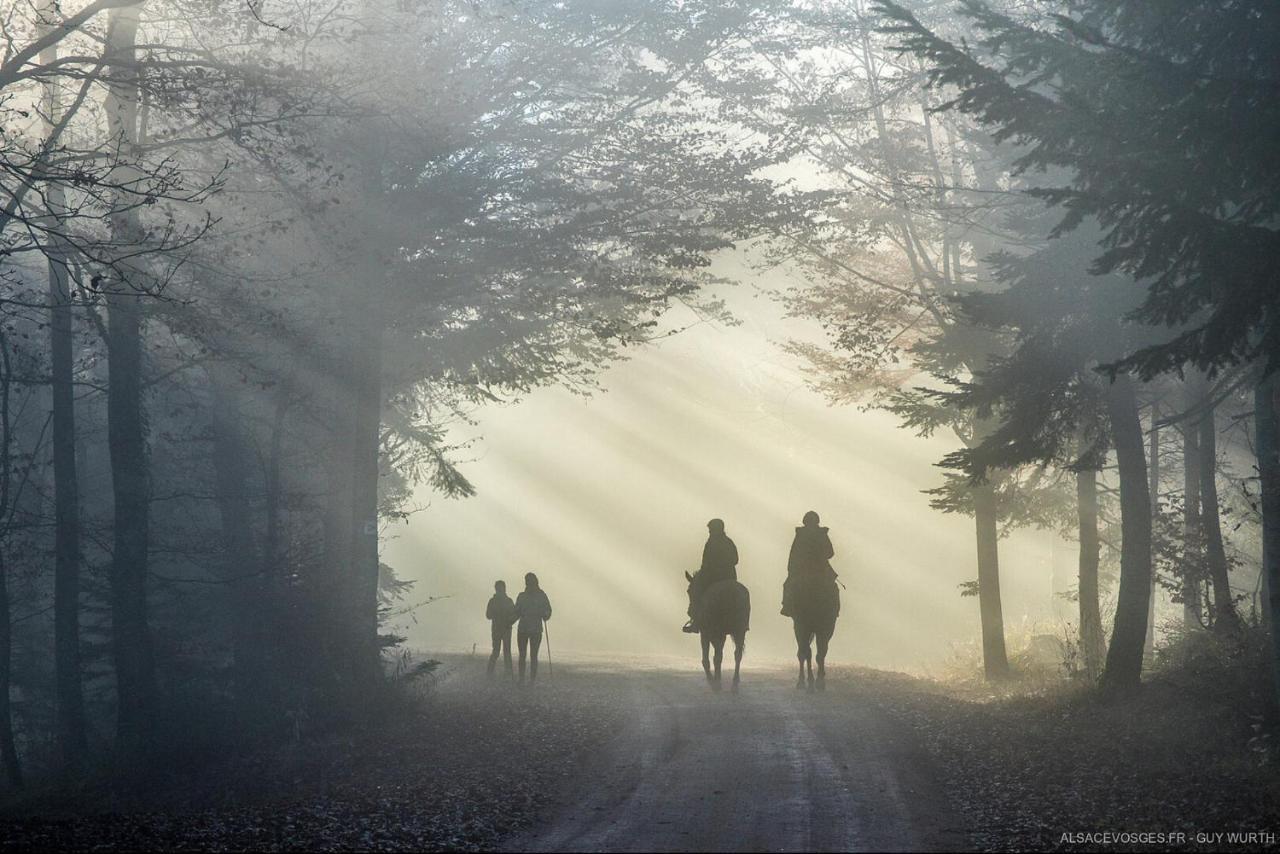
[
  {"x": 1124, "y": 656},
  {"x": 73, "y": 743},
  {"x": 134, "y": 663},
  {"x": 272, "y": 551},
  {"x": 1092, "y": 646},
  {"x": 72, "y": 739},
  {"x": 1191, "y": 556},
  {"x": 1153, "y": 487},
  {"x": 1224, "y": 609},
  {"x": 8, "y": 746},
  {"x": 242, "y": 568},
  {"x": 995, "y": 660},
  {"x": 1268, "y": 443},
  {"x": 365, "y": 479},
  {"x": 333, "y": 599}
]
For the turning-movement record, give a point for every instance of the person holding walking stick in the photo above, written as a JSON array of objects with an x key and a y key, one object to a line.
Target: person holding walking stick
[
  {"x": 533, "y": 609},
  {"x": 547, "y": 631}
]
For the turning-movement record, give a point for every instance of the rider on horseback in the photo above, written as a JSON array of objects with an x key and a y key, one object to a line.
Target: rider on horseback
[
  {"x": 719, "y": 563},
  {"x": 810, "y": 560}
]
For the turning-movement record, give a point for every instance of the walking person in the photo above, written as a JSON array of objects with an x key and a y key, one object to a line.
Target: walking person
[
  {"x": 501, "y": 614},
  {"x": 533, "y": 608}
]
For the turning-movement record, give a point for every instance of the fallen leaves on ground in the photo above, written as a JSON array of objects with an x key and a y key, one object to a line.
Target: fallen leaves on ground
[
  {"x": 468, "y": 765},
  {"x": 1029, "y": 767}
]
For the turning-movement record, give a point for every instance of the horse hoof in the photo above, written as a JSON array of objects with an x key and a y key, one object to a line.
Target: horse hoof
[
  {"x": 822, "y": 685},
  {"x": 735, "y": 686},
  {"x": 800, "y": 685}
]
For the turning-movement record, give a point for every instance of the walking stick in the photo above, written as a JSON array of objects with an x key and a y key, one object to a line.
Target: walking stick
[{"x": 546, "y": 631}]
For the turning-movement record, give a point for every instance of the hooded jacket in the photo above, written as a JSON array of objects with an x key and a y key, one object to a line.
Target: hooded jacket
[
  {"x": 811, "y": 553},
  {"x": 501, "y": 610},
  {"x": 532, "y": 607}
]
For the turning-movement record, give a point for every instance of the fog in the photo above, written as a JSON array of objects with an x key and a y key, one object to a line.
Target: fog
[
  {"x": 319, "y": 317},
  {"x": 606, "y": 498}
]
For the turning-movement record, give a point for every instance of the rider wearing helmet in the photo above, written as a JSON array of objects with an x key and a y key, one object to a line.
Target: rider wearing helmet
[
  {"x": 810, "y": 558},
  {"x": 719, "y": 563}
]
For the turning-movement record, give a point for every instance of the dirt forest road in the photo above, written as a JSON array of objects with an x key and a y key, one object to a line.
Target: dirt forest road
[{"x": 768, "y": 769}]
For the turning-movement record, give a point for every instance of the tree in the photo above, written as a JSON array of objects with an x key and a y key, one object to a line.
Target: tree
[
  {"x": 1140, "y": 97},
  {"x": 8, "y": 746},
  {"x": 915, "y": 200},
  {"x": 134, "y": 662},
  {"x": 1225, "y": 618},
  {"x": 1047, "y": 402},
  {"x": 71, "y": 722}
]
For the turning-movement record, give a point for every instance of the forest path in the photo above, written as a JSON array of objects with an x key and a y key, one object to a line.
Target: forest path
[{"x": 768, "y": 769}]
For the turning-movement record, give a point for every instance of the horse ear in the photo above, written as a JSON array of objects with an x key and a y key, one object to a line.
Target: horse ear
[{"x": 687, "y": 575}]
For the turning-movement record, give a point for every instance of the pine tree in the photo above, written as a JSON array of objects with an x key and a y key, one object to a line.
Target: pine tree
[{"x": 1157, "y": 122}]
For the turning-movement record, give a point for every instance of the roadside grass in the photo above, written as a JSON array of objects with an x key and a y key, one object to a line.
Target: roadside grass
[{"x": 1034, "y": 762}]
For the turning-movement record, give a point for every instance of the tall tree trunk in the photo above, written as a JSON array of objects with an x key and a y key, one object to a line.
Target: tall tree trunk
[
  {"x": 1224, "y": 609},
  {"x": 351, "y": 518},
  {"x": 8, "y": 745},
  {"x": 333, "y": 598},
  {"x": 995, "y": 660},
  {"x": 1153, "y": 487},
  {"x": 134, "y": 663},
  {"x": 1092, "y": 647},
  {"x": 1268, "y": 443},
  {"x": 365, "y": 479},
  {"x": 272, "y": 552},
  {"x": 73, "y": 743},
  {"x": 1191, "y": 555},
  {"x": 72, "y": 739},
  {"x": 242, "y": 568},
  {"x": 1124, "y": 656}
]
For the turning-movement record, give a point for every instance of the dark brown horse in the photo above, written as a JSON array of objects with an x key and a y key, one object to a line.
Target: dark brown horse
[
  {"x": 722, "y": 610},
  {"x": 813, "y": 616}
]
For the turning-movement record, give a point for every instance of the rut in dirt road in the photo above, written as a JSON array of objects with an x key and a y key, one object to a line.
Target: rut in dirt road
[{"x": 770, "y": 769}]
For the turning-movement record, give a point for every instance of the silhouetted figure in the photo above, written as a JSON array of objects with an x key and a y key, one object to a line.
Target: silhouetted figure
[
  {"x": 723, "y": 609},
  {"x": 532, "y": 609},
  {"x": 810, "y": 558},
  {"x": 719, "y": 563},
  {"x": 811, "y": 598},
  {"x": 501, "y": 614}
]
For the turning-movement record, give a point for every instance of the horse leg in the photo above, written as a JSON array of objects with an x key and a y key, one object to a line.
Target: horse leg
[
  {"x": 808, "y": 660},
  {"x": 824, "y": 638},
  {"x": 739, "y": 646},
  {"x": 800, "y": 651},
  {"x": 804, "y": 653},
  {"x": 706, "y": 655},
  {"x": 719, "y": 645}
]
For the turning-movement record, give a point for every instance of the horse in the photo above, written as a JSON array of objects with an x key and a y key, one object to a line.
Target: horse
[
  {"x": 723, "y": 609},
  {"x": 815, "y": 606}
]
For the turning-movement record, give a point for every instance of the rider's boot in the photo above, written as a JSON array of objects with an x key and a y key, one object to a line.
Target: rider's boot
[{"x": 690, "y": 628}]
